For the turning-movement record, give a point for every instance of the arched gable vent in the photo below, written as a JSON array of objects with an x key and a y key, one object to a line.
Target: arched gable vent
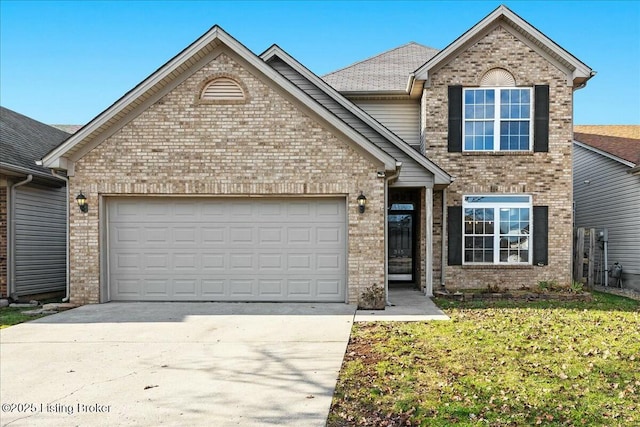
[
  {"x": 498, "y": 77},
  {"x": 222, "y": 89}
]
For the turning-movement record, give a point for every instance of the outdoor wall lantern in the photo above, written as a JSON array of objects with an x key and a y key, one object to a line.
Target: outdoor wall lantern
[
  {"x": 82, "y": 203},
  {"x": 362, "y": 202}
]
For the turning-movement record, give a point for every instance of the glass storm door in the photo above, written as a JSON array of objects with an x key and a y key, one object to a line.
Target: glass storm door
[{"x": 400, "y": 235}]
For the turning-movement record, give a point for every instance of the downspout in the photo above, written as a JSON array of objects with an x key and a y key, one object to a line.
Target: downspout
[
  {"x": 12, "y": 235},
  {"x": 443, "y": 238},
  {"x": 386, "y": 230},
  {"x": 68, "y": 287}
]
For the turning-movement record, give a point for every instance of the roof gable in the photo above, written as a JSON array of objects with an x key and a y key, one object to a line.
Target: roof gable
[
  {"x": 577, "y": 72},
  {"x": 440, "y": 176},
  {"x": 24, "y": 140},
  {"x": 169, "y": 76},
  {"x": 385, "y": 72}
]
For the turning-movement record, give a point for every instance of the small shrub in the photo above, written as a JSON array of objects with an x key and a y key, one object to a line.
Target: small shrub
[
  {"x": 493, "y": 289},
  {"x": 576, "y": 287},
  {"x": 372, "y": 298},
  {"x": 547, "y": 286}
]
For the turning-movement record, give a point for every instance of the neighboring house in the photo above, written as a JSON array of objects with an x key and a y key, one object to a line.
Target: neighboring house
[
  {"x": 606, "y": 191},
  {"x": 33, "y": 209},
  {"x": 226, "y": 176}
]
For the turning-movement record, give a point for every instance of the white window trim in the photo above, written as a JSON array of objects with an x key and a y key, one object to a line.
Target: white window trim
[
  {"x": 496, "y": 234},
  {"x": 497, "y": 119}
]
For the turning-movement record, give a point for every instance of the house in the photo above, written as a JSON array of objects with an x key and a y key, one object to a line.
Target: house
[
  {"x": 33, "y": 226},
  {"x": 606, "y": 191},
  {"x": 227, "y": 176}
]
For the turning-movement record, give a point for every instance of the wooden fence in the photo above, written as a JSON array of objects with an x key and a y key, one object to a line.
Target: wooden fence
[{"x": 584, "y": 250}]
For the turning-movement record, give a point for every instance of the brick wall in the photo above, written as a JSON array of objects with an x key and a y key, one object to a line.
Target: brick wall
[
  {"x": 3, "y": 237},
  {"x": 266, "y": 146},
  {"x": 545, "y": 176}
]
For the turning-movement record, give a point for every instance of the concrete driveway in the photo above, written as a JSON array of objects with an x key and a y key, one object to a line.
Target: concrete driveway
[{"x": 150, "y": 364}]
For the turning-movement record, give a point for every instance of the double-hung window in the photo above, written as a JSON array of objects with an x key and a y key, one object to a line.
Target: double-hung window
[
  {"x": 497, "y": 119},
  {"x": 497, "y": 229}
]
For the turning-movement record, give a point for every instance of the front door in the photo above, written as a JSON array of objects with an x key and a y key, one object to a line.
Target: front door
[{"x": 401, "y": 221}]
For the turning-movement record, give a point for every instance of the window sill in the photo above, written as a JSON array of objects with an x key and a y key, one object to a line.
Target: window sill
[
  {"x": 497, "y": 153},
  {"x": 497, "y": 267}
]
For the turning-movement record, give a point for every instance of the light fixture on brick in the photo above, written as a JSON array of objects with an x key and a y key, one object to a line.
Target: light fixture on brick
[
  {"x": 362, "y": 202},
  {"x": 82, "y": 202}
]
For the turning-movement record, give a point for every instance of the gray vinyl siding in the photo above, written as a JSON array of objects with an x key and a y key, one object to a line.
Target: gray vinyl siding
[
  {"x": 610, "y": 200},
  {"x": 401, "y": 117},
  {"x": 39, "y": 240},
  {"x": 412, "y": 173}
]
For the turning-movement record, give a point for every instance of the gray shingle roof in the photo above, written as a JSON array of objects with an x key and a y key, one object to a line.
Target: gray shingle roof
[
  {"x": 386, "y": 72},
  {"x": 24, "y": 140}
]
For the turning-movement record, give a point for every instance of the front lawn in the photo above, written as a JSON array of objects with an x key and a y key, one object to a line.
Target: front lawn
[
  {"x": 10, "y": 316},
  {"x": 496, "y": 364}
]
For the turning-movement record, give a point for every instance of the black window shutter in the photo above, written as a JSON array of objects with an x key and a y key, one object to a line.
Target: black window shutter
[
  {"x": 541, "y": 119},
  {"x": 455, "y": 119},
  {"x": 454, "y": 234},
  {"x": 540, "y": 235}
]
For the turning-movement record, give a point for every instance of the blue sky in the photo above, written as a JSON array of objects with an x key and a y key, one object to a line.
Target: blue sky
[{"x": 64, "y": 62}]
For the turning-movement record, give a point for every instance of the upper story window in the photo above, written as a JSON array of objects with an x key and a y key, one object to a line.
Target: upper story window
[{"x": 497, "y": 119}]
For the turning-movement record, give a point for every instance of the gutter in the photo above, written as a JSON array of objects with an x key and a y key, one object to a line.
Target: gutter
[
  {"x": 11, "y": 288},
  {"x": 68, "y": 287}
]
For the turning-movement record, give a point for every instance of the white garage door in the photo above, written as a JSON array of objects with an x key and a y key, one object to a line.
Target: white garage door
[{"x": 196, "y": 249}]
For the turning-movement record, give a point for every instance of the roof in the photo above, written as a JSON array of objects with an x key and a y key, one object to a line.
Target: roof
[
  {"x": 24, "y": 140},
  {"x": 621, "y": 131},
  {"x": 385, "y": 72},
  {"x": 172, "y": 73},
  {"x": 440, "y": 176},
  {"x": 622, "y": 142},
  {"x": 68, "y": 128}
]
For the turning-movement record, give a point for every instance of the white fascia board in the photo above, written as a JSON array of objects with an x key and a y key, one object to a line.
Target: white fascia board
[
  {"x": 604, "y": 154},
  {"x": 580, "y": 71},
  {"x": 441, "y": 177}
]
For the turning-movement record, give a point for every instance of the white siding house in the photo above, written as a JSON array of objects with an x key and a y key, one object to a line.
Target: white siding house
[{"x": 606, "y": 191}]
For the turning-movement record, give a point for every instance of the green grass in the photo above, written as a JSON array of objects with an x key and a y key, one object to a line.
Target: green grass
[
  {"x": 12, "y": 316},
  {"x": 497, "y": 364}
]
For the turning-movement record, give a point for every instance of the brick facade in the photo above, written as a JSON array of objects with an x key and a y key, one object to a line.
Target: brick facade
[
  {"x": 265, "y": 146},
  {"x": 545, "y": 176}
]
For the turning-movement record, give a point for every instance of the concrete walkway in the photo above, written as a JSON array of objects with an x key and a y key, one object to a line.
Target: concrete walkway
[
  {"x": 176, "y": 364},
  {"x": 409, "y": 305}
]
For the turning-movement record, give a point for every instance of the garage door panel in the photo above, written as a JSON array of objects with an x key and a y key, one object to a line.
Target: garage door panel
[
  {"x": 227, "y": 249},
  {"x": 156, "y": 235},
  {"x": 299, "y": 261},
  {"x": 185, "y": 287},
  {"x": 270, "y": 235},
  {"x": 241, "y": 287},
  {"x": 213, "y": 262},
  {"x": 128, "y": 261},
  {"x": 241, "y": 235},
  {"x": 299, "y": 235},
  {"x": 271, "y": 288},
  {"x": 328, "y": 287},
  {"x": 271, "y": 262},
  {"x": 300, "y": 287},
  {"x": 214, "y": 236},
  {"x": 213, "y": 288},
  {"x": 328, "y": 235},
  {"x": 156, "y": 287}
]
